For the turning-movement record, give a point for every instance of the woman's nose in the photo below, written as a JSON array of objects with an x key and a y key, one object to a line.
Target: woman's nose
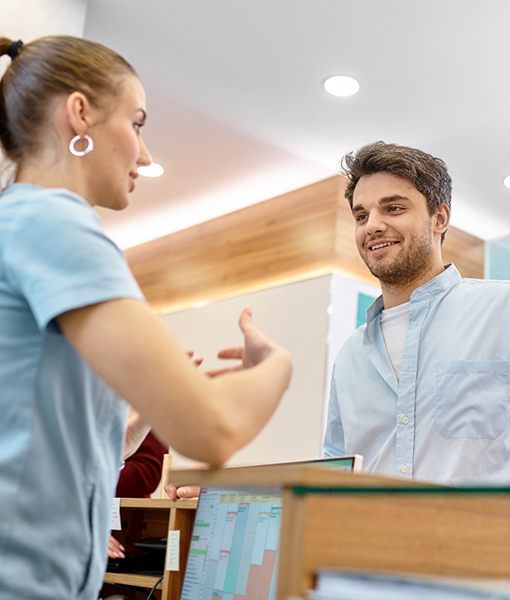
[{"x": 145, "y": 159}]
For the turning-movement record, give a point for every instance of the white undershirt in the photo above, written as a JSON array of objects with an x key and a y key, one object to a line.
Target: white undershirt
[{"x": 394, "y": 325}]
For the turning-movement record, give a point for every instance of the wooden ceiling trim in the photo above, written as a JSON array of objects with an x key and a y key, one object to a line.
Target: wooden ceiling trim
[{"x": 302, "y": 233}]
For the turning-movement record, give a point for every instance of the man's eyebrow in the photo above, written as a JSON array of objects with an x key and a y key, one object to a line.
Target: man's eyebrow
[
  {"x": 392, "y": 198},
  {"x": 384, "y": 200}
]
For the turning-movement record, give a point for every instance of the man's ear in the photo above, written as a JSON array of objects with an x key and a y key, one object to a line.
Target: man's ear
[
  {"x": 78, "y": 111},
  {"x": 441, "y": 218}
]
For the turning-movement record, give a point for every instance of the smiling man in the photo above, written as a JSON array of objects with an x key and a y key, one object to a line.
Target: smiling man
[{"x": 422, "y": 389}]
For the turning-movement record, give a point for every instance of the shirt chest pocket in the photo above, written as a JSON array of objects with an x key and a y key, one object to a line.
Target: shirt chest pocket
[{"x": 472, "y": 398}]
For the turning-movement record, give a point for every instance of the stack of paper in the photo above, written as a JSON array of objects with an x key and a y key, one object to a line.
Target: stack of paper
[{"x": 339, "y": 585}]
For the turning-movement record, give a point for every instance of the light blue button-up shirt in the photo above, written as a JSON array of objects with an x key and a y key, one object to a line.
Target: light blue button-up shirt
[{"x": 446, "y": 419}]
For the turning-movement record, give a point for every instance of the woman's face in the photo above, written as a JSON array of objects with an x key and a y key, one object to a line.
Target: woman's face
[{"x": 118, "y": 148}]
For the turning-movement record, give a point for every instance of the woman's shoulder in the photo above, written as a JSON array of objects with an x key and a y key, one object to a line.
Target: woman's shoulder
[
  {"x": 28, "y": 201},
  {"x": 29, "y": 193}
]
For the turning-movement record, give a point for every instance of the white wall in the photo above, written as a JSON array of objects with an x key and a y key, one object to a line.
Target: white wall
[
  {"x": 312, "y": 319},
  {"x": 30, "y": 19}
]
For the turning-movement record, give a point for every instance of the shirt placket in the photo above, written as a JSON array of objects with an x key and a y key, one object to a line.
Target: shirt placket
[{"x": 406, "y": 398}]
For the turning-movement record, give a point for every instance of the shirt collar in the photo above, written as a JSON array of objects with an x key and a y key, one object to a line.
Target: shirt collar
[{"x": 439, "y": 284}]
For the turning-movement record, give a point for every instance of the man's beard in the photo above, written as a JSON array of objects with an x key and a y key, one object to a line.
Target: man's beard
[{"x": 408, "y": 265}]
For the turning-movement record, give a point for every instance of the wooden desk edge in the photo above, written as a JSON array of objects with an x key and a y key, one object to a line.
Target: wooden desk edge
[
  {"x": 161, "y": 503},
  {"x": 288, "y": 476}
]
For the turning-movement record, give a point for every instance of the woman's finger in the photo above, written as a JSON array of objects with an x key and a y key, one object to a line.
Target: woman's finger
[
  {"x": 236, "y": 352},
  {"x": 217, "y": 372}
]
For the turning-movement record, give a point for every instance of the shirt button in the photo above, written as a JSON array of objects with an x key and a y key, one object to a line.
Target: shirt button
[
  {"x": 403, "y": 469},
  {"x": 405, "y": 420}
]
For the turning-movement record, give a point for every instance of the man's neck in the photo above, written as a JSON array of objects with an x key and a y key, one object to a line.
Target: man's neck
[{"x": 395, "y": 294}]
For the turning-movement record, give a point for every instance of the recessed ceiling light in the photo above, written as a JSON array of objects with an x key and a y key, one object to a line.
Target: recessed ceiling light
[
  {"x": 341, "y": 85},
  {"x": 506, "y": 181},
  {"x": 152, "y": 170}
]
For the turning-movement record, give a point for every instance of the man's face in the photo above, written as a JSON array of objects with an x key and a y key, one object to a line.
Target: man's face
[{"x": 396, "y": 236}]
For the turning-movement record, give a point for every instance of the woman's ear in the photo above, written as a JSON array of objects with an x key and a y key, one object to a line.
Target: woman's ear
[
  {"x": 442, "y": 218},
  {"x": 78, "y": 112}
]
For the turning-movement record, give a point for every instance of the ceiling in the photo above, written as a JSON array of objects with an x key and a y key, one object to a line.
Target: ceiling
[{"x": 237, "y": 112}]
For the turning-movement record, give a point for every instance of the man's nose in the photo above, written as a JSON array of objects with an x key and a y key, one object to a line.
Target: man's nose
[{"x": 375, "y": 223}]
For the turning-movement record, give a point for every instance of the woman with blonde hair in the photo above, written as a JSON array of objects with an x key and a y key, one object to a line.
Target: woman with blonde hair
[{"x": 78, "y": 344}]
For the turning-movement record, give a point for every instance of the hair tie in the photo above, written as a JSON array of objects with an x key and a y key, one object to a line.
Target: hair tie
[{"x": 14, "y": 48}]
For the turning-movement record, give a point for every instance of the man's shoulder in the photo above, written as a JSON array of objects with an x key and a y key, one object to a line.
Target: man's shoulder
[
  {"x": 483, "y": 286},
  {"x": 473, "y": 296},
  {"x": 357, "y": 334},
  {"x": 353, "y": 342}
]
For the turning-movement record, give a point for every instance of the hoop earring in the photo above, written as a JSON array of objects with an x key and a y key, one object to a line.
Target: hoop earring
[{"x": 77, "y": 138}]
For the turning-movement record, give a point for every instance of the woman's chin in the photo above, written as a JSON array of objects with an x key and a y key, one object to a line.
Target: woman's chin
[{"x": 114, "y": 204}]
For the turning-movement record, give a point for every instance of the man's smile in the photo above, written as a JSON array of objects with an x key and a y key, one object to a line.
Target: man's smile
[{"x": 380, "y": 246}]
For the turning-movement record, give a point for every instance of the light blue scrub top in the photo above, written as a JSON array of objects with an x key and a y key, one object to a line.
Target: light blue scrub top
[
  {"x": 61, "y": 426},
  {"x": 446, "y": 419}
]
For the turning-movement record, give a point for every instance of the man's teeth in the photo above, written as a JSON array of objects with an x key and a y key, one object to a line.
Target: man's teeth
[{"x": 377, "y": 246}]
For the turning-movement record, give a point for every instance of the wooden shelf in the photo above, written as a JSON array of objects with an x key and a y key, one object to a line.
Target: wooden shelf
[
  {"x": 151, "y": 517},
  {"x": 154, "y": 503},
  {"x": 145, "y": 581}
]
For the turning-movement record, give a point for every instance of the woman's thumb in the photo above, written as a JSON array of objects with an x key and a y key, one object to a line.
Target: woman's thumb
[{"x": 245, "y": 319}]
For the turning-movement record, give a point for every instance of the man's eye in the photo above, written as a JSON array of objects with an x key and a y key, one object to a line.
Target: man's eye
[
  {"x": 360, "y": 217},
  {"x": 395, "y": 208}
]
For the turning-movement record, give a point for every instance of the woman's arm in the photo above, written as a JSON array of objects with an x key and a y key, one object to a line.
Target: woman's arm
[{"x": 204, "y": 418}]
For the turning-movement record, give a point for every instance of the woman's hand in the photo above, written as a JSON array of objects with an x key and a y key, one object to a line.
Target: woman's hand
[{"x": 257, "y": 347}]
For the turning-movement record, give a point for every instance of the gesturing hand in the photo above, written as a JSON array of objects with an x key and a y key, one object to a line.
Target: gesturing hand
[{"x": 257, "y": 346}]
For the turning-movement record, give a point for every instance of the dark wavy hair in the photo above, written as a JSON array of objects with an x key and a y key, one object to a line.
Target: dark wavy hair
[{"x": 427, "y": 173}]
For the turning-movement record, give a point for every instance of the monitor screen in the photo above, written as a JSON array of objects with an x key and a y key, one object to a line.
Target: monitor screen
[
  {"x": 351, "y": 463},
  {"x": 234, "y": 545}
]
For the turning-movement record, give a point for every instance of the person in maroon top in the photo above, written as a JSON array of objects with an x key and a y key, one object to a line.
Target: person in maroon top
[
  {"x": 142, "y": 472},
  {"x": 138, "y": 478}
]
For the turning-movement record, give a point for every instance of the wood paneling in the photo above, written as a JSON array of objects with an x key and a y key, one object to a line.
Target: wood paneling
[
  {"x": 293, "y": 236},
  {"x": 466, "y": 251}
]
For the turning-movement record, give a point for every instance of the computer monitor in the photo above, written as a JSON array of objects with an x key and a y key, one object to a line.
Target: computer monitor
[
  {"x": 234, "y": 543},
  {"x": 352, "y": 463}
]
